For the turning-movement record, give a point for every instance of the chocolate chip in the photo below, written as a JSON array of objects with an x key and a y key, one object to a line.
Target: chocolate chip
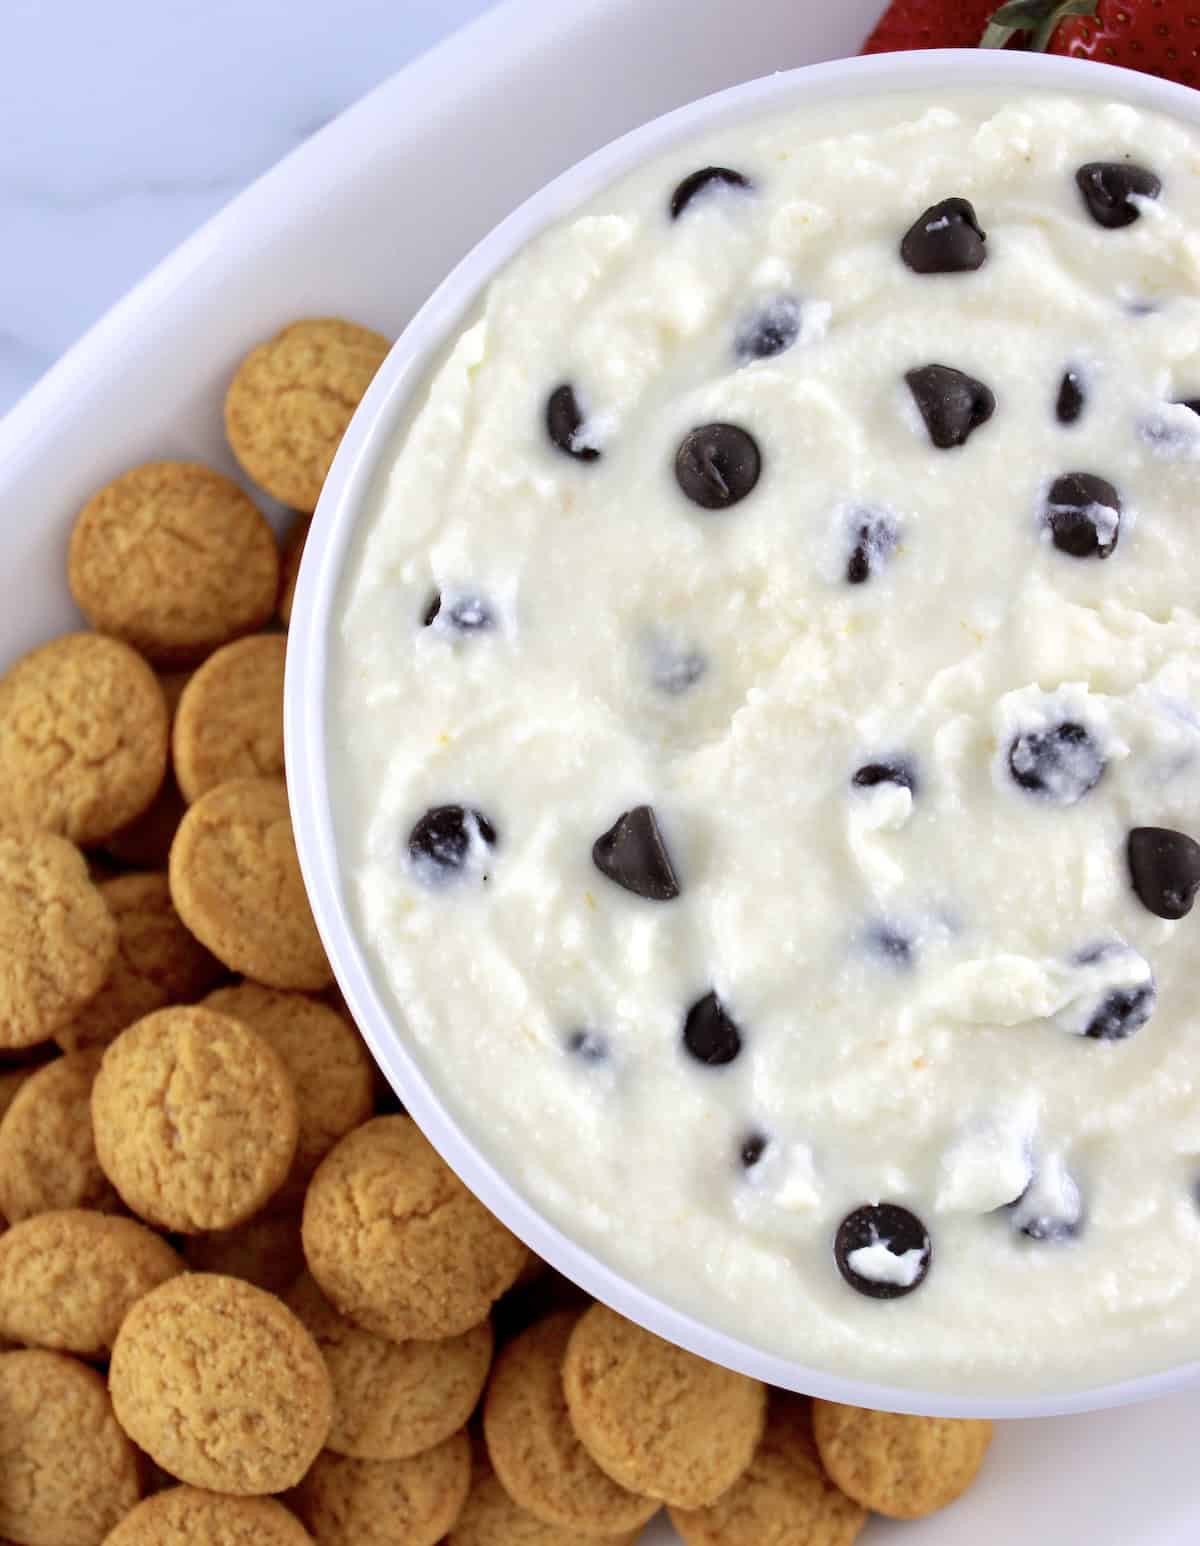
[
  {"x": 883, "y": 940},
  {"x": 899, "y": 1232},
  {"x": 874, "y": 537},
  {"x": 770, "y": 331},
  {"x": 1049, "y": 1211},
  {"x": 707, "y": 180},
  {"x": 588, "y": 1046},
  {"x": 467, "y": 614},
  {"x": 709, "y": 1032},
  {"x": 1083, "y": 513},
  {"x": 1062, "y": 763},
  {"x": 717, "y": 465},
  {"x": 946, "y": 239},
  {"x": 873, "y": 773},
  {"x": 1165, "y": 869},
  {"x": 952, "y": 403},
  {"x": 753, "y": 1147},
  {"x": 632, "y": 852},
  {"x": 1189, "y": 402},
  {"x": 1072, "y": 398},
  {"x": 564, "y": 422},
  {"x": 1122, "y": 1013},
  {"x": 440, "y": 843},
  {"x": 1109, "y": 189},
  {"x": 675, "y": 672}
]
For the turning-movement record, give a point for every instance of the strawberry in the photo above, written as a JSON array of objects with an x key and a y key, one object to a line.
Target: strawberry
[
  {"x": 1158, "y": 37},
  {"x": 930, "y": 24}
]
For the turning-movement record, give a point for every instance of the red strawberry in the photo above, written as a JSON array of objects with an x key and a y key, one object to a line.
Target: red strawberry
[
  {"x": 930, "y": 24},
  {"x": 1158, "y": 37}
]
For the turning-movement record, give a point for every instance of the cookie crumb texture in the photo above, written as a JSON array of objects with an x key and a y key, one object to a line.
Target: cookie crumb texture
[
  {"x": 392, "y": 1400},
  {"x": 158, "y": 962},
  {"x": 47, "y": 1149},
  {"x": 290, "y": 402},
  {"x": 533, "y": 1448},
  {"x": 398, "y": 1243},
  {"x": 68, "y": 1279},
  {"x": 195, "y": 1119},
  {"x": 783, "y": 1498},
  {"x": 491, "y": 1518},
  {"x": 230, "y": 718},
  {"x": 904, "y": 1467},
  {"x": 83, "y": 738},
  {"x": 57, "y": 937},
  {"x": 659, "y": 1420},
  {"x": 236, "y": 883},
  {"x": 67, "y": 1472},
  {"x": 189, "y": 1516},
  {"x": 175, "y": 559},
  {"x": 326, "y": 1059},
  {"x": 221, "y": 1385},
  {"x": 386, "y": 1502}
]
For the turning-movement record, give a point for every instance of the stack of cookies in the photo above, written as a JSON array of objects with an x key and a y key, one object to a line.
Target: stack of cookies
[{"x": 243, "y": 1300}]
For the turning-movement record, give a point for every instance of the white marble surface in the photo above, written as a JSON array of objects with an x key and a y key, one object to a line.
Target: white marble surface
[{"x": 124, "y": 125}]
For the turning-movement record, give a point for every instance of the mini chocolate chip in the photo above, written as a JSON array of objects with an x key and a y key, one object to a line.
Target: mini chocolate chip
[
  {"x": 710, "y": 1034},
  {"x": 717, "y": 465},
  {"x": 588, "y": 1046},
  {"x": 872, "y": 773},
  {"x": 707, "y": 180},
  {"x": 946, "y": 239},
  {"x": 888, "y": 942},
  {"x": 1189, "y": 402},
  {"x": 1122, "y": 1013},
  {"x": 632, "y": 852},
  {"x": 468, "y": 614},
  {"x": 874, "y": 537},
  {"x": 1107, "y": 187},
  {"x": 1083, "y": 513},
  {"x": 753, "y": 1147},
  {"x": 1062, "y": 763},
  {"x": 1072, "y": 398},
  {"x": 1165, "y": 869},
  {"x": 1052, "y": 1219},
  {"x": 675, "y": 673},
  {"x": 770, "y": 331},
  {"x": 952, "y": 404},
  {"x": 440, "y": 842},
  {"x": 564, "y": 421},
  {"x": 899, "y": 1232}
]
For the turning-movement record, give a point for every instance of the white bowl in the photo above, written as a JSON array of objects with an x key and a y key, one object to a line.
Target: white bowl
[{"x": 369, "y": 441}]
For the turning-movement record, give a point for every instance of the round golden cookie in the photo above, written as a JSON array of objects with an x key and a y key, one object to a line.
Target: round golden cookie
[
  {"x": 785, "y": 1497},
  {"x": 326, "y": 1059},
  {"x": 658, "y": 1419},
  {"x": 235, "y": 882},
  {"x": 83, "y": 738},
  {"x": 221, "y": 1385},
  {"x": 904, "y": 1467},
  {"x": 392, "y": 1399},
  {"x": 289, "y": 568},
  {"x": 158, "y": 962},
  {"x": 230, "y": 719},
  {"x": 195, "y": 1119},
  {"x": 397, "y": 1242},
  {"x": 532, "y": 1446},
  {"x": 47, "y": 1150},
  {"x": 491, "y": 1518},
  {"x": 175, "y": 559},
  {"x": 265, "y": 1251},
  {"x": 68, "y": 1279},
  {"x": 58, "y": 939},
  {"x": 188, "y": 1516},
  {"x": 288, "y": 406},
  {"x": 411, "y": 1502},
  {"x": 67, "y": 1472}
]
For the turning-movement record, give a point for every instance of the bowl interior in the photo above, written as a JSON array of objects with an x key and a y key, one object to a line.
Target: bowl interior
[{"x": 347, "y": 495}]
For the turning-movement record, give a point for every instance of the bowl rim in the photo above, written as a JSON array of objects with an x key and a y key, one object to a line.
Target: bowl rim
[{"x": 345, "y": 496}]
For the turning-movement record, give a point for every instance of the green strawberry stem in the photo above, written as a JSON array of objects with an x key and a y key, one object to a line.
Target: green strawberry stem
[{"x": 1041, "y": 17}]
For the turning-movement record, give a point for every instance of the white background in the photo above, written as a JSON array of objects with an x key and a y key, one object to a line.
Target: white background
[{"x": 125, "y": 123}]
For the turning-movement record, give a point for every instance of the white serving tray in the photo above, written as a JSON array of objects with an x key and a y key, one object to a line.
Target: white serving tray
[{"x": 362, "y": 221}]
